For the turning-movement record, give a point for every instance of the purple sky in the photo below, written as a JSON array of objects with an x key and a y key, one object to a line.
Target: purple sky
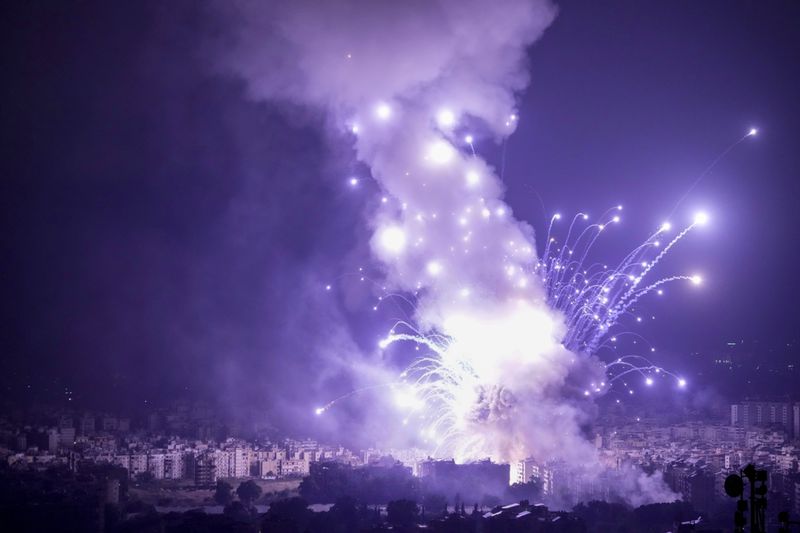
[{"x": 163, "y": 234}]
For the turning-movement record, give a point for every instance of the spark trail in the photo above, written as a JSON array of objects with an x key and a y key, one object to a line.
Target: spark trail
[
  {"x": 459, "y": 390},
  {"x": 507, "y": 338}
]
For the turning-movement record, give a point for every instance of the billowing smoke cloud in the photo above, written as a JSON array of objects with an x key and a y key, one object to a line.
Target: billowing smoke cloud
[{"x": 416, "y": 85}]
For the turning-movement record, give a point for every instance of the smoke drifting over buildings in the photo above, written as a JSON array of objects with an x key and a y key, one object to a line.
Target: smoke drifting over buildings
[
  {"x": 320, "y": 217},
  {"x": 414, "y": 86}
]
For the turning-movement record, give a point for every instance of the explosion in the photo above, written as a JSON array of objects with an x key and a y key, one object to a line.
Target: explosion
[
  {"x": 508, "y": 337},
  {"x": 491, "y": 368}
]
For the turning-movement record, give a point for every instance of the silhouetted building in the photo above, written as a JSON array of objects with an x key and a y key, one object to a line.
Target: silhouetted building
[
  {"x": 700, "y": 488},
  {"x": 112, "y": 491},
  {"x": 796, "y": 421},
  {"x": 470, "y": 480}
]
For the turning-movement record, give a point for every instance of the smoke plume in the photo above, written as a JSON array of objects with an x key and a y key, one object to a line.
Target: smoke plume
[{"x": 416, "y": 86}]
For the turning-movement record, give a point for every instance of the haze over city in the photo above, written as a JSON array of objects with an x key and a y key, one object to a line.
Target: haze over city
[{"x": 519, "y": 246}]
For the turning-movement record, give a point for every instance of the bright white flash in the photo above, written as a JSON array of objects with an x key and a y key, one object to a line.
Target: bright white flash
[
  {"x": 319, "y": 410},
  {"x": 440, "y": 152},
  {"x": 406, "y": 399},
  {"x": 446, "y": 118},
  {"x": 701, "y": 218},
  {"x": 468, "y": 139},
  {"x": 383, "y": 111},
  {"x": 472, "y": 178},
  {"x": 465, "y": 394},
  {"x": 752, "y": 132},
  {"x": 666, "y": 226},
  {"x": 434, "y": 268},
  {"x": 393, "y": 239}
]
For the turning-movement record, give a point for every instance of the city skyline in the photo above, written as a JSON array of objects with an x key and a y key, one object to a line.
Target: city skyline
[{"x": 184, "y": 444}]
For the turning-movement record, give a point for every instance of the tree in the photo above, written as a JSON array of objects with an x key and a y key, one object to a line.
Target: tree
[
  {"x": 530, "y": 491},
  {"x": 374, "y": 484},
  {"x": 435, "y": 504},
  {"x": 605, "y": 516},
  {"x": 326, "y": 482},
  {"x": 248, "y": 492},
  {"x": 490, "y": 500},
  {"x": 223, "y": 494},
  {"x": 663, "y": 514},
  {"x": 402, "y": 513},
  {"x": 291, "y": 514},
  {"x": 239, "y": 512},
  {"x": 344, "y": 514},
  {"x": 145, "y": 477}
]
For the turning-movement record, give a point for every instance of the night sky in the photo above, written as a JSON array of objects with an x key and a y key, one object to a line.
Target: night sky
[{"x": 164, "y": 235}]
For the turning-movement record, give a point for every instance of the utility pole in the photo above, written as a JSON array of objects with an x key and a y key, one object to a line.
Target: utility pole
[{"x": 734, "y": 487}]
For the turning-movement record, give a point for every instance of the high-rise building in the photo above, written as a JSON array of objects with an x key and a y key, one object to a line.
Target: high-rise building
[
  {"x": 241, "y": 463},
  {"x": 205, "y": 471},
  {"x": 138, "y": 464},
  {"x": 52, "y": 440},
  {"x": 523, "y": 471},
  {"x": 155, "y": 465},
  {"x": 295, "y": 467},
  {"x": 700, "y": 489},
  {"x": 110, "y": 423},
  {"x": 736, "y": 415},
  {"x": 67, "y": 436},
  {"x": 222, "y": 463},
  {"x": 123, "y": 460},
  {"x": 751, "y": 413},
  {"x": 468, "y": 478},
  {"x": 87, "y": 425},
  {"x": 174, "y": 466}
]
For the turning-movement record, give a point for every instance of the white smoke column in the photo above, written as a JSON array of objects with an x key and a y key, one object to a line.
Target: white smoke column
[{"x": 404, "y": 79}]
